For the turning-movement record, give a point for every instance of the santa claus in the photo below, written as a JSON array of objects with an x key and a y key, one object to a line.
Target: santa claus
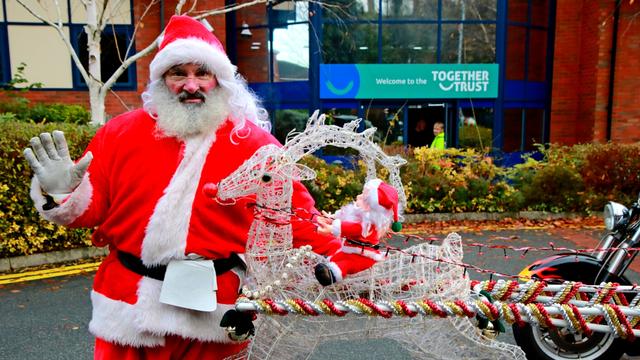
[
  {"x": 140, "y": 185},
  {"x": 361, "y": 224}
]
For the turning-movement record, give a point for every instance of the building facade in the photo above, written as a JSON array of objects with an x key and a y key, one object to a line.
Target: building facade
[{"x": 561, "y": 71}]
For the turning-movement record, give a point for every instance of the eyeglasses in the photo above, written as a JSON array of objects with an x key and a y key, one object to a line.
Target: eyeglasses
[{"x": 182, "y": 76}]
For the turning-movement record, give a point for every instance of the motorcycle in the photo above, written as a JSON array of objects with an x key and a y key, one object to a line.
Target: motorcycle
[{"x": 608, "y": 263}]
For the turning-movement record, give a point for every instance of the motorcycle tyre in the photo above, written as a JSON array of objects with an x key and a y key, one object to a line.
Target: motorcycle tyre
[{"x": 526, "y": 339}]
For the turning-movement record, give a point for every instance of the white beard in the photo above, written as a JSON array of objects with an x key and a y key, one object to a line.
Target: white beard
[
  {"x": 183, "y": 120},
  {"x": 367, "y": 218}
]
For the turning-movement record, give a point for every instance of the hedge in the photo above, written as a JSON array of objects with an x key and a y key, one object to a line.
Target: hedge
[
  {"x": 579, "y": 178},
  {"x": 22, "y": 230}
]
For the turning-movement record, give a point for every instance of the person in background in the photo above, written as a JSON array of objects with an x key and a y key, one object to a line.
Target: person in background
[
  {"x": 438, "y": 142},
  {"x": 140, "y": 184}
]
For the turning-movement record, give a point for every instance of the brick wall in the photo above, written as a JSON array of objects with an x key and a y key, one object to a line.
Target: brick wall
[
  {"x": 626, "y": 94},
  {"x": 583, "y": 44}
]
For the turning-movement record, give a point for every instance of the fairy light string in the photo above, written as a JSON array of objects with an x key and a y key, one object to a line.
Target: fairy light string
[{"x": 301, "y": 214}]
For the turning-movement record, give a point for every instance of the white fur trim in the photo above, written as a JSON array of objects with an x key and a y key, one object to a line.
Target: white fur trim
[
  {"x": 192, "y": 50},
  {"x": 146, "y": 322},
  {"x": 166, "y": 233},
  {"x": 159, "y": 318},
  {"x": 372, "y": 196},
  {"x": 74, "y": 206},
  {"x": 335, "y": 270},
  {"x": 115, "y": 322},
  {"x": 336, "y": 227},
  {"x": 364, "y": 251}
]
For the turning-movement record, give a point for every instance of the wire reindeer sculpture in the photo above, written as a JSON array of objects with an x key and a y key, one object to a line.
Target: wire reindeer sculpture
[{"x": 278, "y": 270}]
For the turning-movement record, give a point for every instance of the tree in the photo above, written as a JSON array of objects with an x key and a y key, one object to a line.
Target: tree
[{"x": 99, "y": 16}]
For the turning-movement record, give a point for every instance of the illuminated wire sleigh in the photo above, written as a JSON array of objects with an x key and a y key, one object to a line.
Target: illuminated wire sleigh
[{"x": 277, "y": 270}]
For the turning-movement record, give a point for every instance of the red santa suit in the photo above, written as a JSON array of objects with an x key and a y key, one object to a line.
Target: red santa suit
[
  {"x": 358, "y": 252},
  {"x": 361, "y": 232},
  {"x": 144, "y": 194}
]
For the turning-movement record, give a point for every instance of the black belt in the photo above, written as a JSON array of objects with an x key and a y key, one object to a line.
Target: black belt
[
  {"x": 362, "y": 244},
  {"x": 135, "y": 264}
]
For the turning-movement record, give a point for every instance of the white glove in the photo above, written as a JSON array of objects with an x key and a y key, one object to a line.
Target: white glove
[{"x": 53, "y": 167}]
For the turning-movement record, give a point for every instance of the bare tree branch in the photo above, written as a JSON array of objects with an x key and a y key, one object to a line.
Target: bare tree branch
[
  {"x": 138, "y": 25},
  {"x": 179, "y": 6},
  {"x": 224, "y": 10},
  {"x": 65, "y": 40},
  {"x": 124, "y": 104},
  {"x": 485, "y": 33},
  {"x": 130, "y": 60}
]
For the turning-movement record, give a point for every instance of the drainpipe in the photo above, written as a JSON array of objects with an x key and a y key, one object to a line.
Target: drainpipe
[{"x": 612, "y": 68}]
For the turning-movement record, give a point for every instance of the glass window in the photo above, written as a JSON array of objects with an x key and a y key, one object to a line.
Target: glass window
[
  {"x": 540, "y": 12},
  {"x": 415, "y": 9},
  {"x": 350, "y": 44},
  {"x": 409, "y": 43},
  {"x": 291, "y": 51},
  {"x": 537, "y": 55},
  {"x": 4, "y": 71},
  {"x": 475, "y": 128},
  {"x": 253, "y": 54},
  {"x": 533, "y": 134},
  {"x": 289, "y": 12},
  {"x": 113, "y": 46},
  {"x": 118, "y": 12},
  {"x": 54, "y": 11},
  {"x": 469, "y": 9},
  {"x": 517, "y": 10},
  {"x": 512, "y": 130},
  {"x": 478, "y": 44},
  {"x": 48, "y": 62},
  {"x": 339, "y": 117},
  {"x": 516, "y": 36},
  {"x": 348, "y": 10},
  {"x": 389, "y": 123},
  {"x": 287, "y": 120}
]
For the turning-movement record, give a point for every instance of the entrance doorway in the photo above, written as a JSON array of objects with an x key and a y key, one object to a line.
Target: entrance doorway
[{"x": 420, "y": 122}]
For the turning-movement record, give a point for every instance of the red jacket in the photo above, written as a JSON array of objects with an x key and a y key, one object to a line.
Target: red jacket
[
  {"x": 144, "y": 194},
  {"x": 353, "y": 230}
]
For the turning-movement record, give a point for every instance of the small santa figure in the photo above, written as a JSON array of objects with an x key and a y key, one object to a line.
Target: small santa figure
[{"x": 361, "y": 225}]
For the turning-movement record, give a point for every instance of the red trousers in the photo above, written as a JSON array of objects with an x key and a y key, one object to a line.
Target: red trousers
[{"x": 175, "y": 348}]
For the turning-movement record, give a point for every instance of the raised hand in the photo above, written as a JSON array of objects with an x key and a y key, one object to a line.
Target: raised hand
[{"x": 57, "y": 173}]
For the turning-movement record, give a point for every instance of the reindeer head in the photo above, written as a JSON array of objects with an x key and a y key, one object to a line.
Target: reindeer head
[{"x": 269, "y": 167}]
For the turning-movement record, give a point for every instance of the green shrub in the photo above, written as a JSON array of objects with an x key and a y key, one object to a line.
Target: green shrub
[
  {"x": 610, "y": 172},
  {"x": 454, "y": 180},
  {"x": 334, "y": 186},
  {"x": 580, "y": 177},
  {"x": 45, "y": 113},
  {"x": 22, "y": 230},
  {"x": 554, "y": 188}
]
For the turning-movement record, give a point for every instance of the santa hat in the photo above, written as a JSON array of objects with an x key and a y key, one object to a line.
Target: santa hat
[
  {"x": 187, "y": 41},
  {"x": 383, "y": 195}
]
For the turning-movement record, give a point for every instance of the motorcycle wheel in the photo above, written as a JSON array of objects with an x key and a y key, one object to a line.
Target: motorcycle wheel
[{"x": 540, "y": 343}]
